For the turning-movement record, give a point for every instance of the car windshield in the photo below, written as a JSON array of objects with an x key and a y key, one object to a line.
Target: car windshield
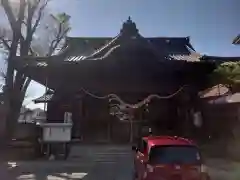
[{"x": 174, "y": 154}]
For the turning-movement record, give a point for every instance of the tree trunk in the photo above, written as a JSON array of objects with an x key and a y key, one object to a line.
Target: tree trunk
[
  {"x": 14, "y": 108},
  {"x": 9, "y": 81}
]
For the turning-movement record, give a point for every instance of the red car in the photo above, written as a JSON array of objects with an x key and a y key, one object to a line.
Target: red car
[{"x": 168, "y": 158}]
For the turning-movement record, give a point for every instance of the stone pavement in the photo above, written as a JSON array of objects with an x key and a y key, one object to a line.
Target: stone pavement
[
  {"x": 85, "y": 162},
  {"x": 98, "y": 163},
  {"x": 70, "y": 170}
]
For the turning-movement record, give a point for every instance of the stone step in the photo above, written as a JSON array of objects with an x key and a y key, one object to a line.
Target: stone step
[
  {"x": 98, "y": 150},
  {"x": 99, "y": 153}
]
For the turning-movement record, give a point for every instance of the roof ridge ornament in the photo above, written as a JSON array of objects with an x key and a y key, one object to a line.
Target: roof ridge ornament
[{"x": 129, "y": 28}]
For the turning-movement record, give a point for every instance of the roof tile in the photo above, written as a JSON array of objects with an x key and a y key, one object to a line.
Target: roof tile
[
  {"x": 43, "y": 98},
  {"x": 217, "y": 90}
]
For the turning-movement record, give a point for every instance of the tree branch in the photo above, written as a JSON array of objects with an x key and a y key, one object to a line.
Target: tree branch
[
  {"x": 8, "y": 10},
  {"x": 53, "y": 41},
  {"x": 3, "y": 74},
  {"x": 18, "y": 80},
  {"x": 22, "y": 7},
  {"x": 30, "y": 48},
  {"x": 39, "y": 17},
  {"x": 31, "y": 10},
  {"x": 57, "y": 40},
  {"x": 5, "y": 43},
  {"x": 26, "y": 45}
]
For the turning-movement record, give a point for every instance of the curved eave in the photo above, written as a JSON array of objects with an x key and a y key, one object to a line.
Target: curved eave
[
  {"x": 43, "y": 99},
  {"x": 37, "y": 70}
]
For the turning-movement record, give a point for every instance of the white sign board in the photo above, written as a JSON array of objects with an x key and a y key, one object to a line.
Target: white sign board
[
  {"x": 197, "y": 119},
  {"x": 57, "y": 132}
]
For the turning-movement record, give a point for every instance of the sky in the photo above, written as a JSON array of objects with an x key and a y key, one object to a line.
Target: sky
[{"x": 211, "y": 24}]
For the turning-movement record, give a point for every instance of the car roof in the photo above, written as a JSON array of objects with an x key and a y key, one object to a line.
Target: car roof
[{"x": 168, "y": 140}]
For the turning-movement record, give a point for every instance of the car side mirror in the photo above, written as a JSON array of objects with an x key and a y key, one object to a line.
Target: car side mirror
[{"x": 134, "y": 148}]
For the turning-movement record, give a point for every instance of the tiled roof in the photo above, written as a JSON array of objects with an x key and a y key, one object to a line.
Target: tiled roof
[
  {"x": 41, "y": 64},
  {"x": 75, "y": 58},
  {"x": 85, "y": 45},
  {"x": 96, "y": 47},
  {"x": 162, "y": 45},
  {"x": 214, "y": 91},
  {"x": 44, "y": 98},
  {"x": 194, "y": 57},
  {"x": 84, "y": 48},
  {"x": 99, "y": 48}
]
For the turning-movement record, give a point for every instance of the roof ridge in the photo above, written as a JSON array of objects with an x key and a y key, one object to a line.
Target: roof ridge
[
  {"x": 90, "y": 37},
  {"x": 111, "y": 37},
  {"x": 171, "y": 37}
]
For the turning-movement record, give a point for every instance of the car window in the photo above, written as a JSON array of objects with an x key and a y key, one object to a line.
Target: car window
[{"x": 174, "y": 154}]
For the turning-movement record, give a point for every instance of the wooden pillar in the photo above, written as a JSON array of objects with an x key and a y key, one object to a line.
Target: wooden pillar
[
  {"x": 81, "y": 117},
  {"x": 77, "y": 116},
  {"x": 183, "y": 112},
  {"x": 187, "y": 121},
  {"x": 109, "y": 129},
  {"x": 131, "y": 129},
  {"x": 140, "y": 123}
]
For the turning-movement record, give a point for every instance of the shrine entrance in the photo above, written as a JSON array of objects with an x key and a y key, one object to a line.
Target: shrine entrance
[
  {"x": 95, "y": 132},
  {"x": 109, "y": 119}
]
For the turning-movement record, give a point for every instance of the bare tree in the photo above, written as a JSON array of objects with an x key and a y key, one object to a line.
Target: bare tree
[{"x": 24, "y": 24}]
